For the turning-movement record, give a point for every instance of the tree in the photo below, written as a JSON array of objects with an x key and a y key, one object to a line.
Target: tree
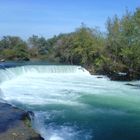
[
  {"x": 38, "y": 45},
  {"x": 13, "y": 48}
]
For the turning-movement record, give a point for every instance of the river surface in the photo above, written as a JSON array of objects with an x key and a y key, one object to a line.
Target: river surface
[{"x": 71, "y": 104}]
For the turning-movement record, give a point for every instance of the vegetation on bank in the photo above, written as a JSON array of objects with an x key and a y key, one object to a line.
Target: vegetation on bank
[{"x": 116, "y": 51}]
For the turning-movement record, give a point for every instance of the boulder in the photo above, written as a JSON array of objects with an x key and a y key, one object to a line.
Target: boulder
[{"x": 15, "y": 124}]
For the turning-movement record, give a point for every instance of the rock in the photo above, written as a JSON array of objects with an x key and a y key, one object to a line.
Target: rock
[
  {"x": 128, "y": 84},
  {"x": 15, "y": 124},
  {"x": 133, "y": 85},
  {"x": 99, "y": 77},
  {"x": 119, "y": 76}
]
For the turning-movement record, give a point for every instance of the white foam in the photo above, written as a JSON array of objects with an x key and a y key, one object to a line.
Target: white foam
[
  {"x": 10, "y": 73},
  {"x": 58, "y": 132},
  {"x": 55, "y": 137}
]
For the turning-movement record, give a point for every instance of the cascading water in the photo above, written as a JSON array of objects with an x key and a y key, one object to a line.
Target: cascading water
[
  {"x": 7, "y": 74},
  {"x": 71, "y": 104}
]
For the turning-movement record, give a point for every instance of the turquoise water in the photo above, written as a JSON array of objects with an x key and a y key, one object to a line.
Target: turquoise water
[{"x": 71, "y": 104}]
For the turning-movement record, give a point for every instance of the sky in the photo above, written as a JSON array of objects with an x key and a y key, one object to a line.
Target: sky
[{"x": 51, "y": 17}]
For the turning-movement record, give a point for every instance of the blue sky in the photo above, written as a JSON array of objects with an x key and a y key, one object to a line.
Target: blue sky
[{"x": 51, "y": 17}]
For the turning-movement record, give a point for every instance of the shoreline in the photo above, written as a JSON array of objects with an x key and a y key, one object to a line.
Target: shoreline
[
  {"x": 15, "y": 124},
  {"x": 114, "y": 76}
]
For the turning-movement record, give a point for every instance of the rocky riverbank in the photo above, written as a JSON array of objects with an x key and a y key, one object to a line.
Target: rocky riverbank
[
  {"x": 15, "y": 124},
  {"x": 116, "y": 76}
]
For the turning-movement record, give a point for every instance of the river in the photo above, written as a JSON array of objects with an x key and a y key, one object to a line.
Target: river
[{"x": 71, "y": 104}]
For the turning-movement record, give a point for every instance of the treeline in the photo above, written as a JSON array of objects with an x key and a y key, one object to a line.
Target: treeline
[{"x": 113, "y": 52}]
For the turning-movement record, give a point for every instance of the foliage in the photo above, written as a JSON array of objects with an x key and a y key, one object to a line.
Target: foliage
[
  {"x": 13, "y": 48},
  {"x": 123, "y": 43}
]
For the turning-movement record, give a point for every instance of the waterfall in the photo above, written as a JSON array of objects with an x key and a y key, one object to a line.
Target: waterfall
[{"x": 10, "y": 73}]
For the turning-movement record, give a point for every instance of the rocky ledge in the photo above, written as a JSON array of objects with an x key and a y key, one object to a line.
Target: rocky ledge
[{"x": 15, "y": 124}]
